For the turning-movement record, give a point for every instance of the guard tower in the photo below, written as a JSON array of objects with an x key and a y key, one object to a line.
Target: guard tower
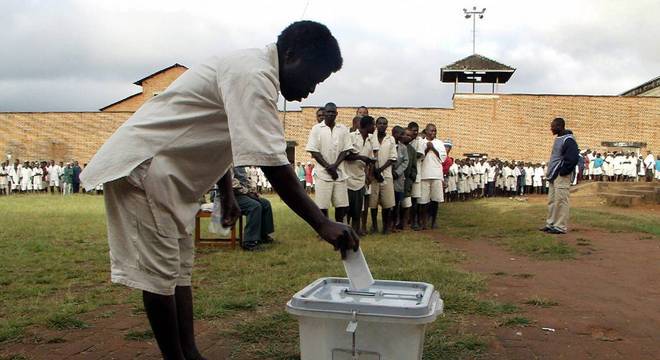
[{"x": 476, "y": 69}]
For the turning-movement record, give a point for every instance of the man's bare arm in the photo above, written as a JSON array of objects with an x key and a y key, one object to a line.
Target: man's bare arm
[{"x": 285, "y": 183}]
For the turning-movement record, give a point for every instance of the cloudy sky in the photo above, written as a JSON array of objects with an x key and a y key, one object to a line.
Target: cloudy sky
[{"x": 80, "y": 55}]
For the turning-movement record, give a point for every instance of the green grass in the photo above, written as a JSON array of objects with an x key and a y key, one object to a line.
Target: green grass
[
  {"x": 65, "y": 322},
  {"x": 137, "y": 335},
  {"x": 540, "y": 302},
  {"x": 512, "y": 224},
  {"x": 55, "y": 267},
  {"x": 516, "y": 321},
  {"x": 632, "y": 222}
]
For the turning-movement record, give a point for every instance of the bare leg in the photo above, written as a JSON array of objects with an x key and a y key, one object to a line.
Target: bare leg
[
  {"x": 387, "y": 220},
  {"x": 423, "y": 215},
  {"x": 162, "y": 313},
  {"x": 374, "y": 221},
  {"x": 184, "y": 309}
]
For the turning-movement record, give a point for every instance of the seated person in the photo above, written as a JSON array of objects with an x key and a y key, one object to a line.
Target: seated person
[{"x": 258, "y": 211}]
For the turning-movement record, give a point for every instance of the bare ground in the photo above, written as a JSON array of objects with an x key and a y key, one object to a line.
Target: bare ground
[{"x": 608, "y": 298}]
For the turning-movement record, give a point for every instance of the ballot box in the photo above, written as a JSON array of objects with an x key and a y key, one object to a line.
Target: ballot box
[{"x": 386, "y": 321}]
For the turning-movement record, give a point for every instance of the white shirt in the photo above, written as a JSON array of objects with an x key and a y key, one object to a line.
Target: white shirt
[
  {"x": 490, "y": 172},
  {"x": 355, "y": 175},
  {"x": 330, "y": 142},
  {"x": 453, "y": 170},
  {"x": 478, "y": 168},
  {"x": 431, "y": 163},
  {"x": 219, "y": 108},
  {"x": 649, "y": 161},
  {"x": 415, "y": 145},
  {"x": 529, "y": 172},
  {"x": 538, "y": 173},
  {"x": 386, "y": 151}
]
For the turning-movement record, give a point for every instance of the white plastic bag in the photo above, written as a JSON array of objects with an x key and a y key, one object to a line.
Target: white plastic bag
[{"x": 215, "y": 225}]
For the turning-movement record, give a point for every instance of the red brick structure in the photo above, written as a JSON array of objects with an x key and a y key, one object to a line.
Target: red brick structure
[{"x": 502, "y": 125}]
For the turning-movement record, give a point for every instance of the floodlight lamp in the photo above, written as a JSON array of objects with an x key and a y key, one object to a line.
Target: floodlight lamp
[
  {"x": 481, "y": 16},
  {"x": 483, "y": 10},
  {"x": 464, "y": 10},
  {"x": 468, "y": 16},
  {"x": 474, "y": 8}
]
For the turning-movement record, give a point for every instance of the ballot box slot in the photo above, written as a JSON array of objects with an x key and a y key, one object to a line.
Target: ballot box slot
[{"x": 383, "y": 294}]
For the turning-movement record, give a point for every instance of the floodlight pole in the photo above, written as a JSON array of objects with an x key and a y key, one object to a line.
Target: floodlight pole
[{"x": 473, "y": 14}]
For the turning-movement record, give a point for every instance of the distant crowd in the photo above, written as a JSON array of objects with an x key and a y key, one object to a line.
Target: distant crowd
[{"x": 41, "y": 177}]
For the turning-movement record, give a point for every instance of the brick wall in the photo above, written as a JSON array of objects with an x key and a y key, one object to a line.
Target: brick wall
[
  {"x": 150, "y": 86},
  {"x": 516, "y": 126},
  {"x": 56, "y": 135},
  {"x": 506, "y": 126}
]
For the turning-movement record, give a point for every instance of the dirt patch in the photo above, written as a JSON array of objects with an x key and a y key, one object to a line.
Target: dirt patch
[
  {"x": 114, "y": 332},
  {"x": 602, "y": 305}
]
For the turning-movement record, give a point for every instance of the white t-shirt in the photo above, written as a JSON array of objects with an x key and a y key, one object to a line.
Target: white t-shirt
[
  {"x": 431, "y": 163},
  {"x": 221, "y": 111},
  {"x": 649, "y": 161},
  {"x": 330, "y": 142},
  {"x": 490, "y": 172},
  {"x": 415, "y": 145},
  {"x": 386, "y": 151},
  {"x": 355, "y": 175}
]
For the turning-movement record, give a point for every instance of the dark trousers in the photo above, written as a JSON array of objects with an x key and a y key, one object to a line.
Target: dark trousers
[
  {"x": 259, "y": 219},
  {"x": 76, "y": 187},
  {"x": 490, "y": 188}
]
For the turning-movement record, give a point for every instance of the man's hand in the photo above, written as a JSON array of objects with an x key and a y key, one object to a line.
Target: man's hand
[
  {"x": 332, "y": 170},
  {"x": 342, "y": 237},
  {"x": 230, "y": 211},
  {"x": 366, "y": 159},
  {"x": 429, "y": 145}
]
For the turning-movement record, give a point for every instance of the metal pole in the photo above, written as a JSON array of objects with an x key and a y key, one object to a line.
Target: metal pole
[{"x": 474, "y": 32}]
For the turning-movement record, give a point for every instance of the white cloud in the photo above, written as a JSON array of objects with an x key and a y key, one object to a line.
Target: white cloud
[{"x": 81, "y": 55}]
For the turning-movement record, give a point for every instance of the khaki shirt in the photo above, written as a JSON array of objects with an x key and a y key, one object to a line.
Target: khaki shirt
[
  {"x": 386, "y": 152},
  {"x": 187, "y": 135},
  {"x": 330, "y": 143},
  {"x": 355, "y": 170}
]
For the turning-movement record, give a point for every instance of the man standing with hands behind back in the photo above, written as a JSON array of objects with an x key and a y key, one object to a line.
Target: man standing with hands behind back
[
  {"x": 561, "y": 166},
  {"x": 169, "y": 153}
]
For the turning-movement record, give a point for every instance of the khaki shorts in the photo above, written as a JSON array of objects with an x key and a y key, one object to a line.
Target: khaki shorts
[
  {"x": 416, "y": 190},
  {"x": 139, "y": 256},
  {"x": 331, "y": 193},
  {"x": 406, "y": 202},
  {"x": 382, "y": 194},
  {"x": 431, "y": 191}
]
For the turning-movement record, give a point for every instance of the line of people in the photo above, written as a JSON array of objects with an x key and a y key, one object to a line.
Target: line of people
[
  {"x": 41, "y": 177},
  {"x": 618, "y": 166},
  {"x": 365, "y": 167},
  {"x": 407, "y": 172}
]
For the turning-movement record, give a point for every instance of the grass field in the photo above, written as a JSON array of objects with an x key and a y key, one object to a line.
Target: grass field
[{"x": 54, "y": 267}]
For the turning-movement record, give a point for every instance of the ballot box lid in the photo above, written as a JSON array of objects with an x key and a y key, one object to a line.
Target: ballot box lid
[{"x": 385, "y": 298}]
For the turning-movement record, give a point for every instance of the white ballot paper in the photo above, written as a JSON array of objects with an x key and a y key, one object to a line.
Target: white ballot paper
[{"x": 357, "y": 270}]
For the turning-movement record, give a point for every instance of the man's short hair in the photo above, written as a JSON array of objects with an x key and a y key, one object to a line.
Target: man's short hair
[
  {"x": 559, "y": 121},
  {"x": 320, "y": 109},
  {"x": 311, "y": 41},
  {"x": 397, "y": 130},
  {"x": 412, "y": 125},
  {"x": 366, "y": 121},
  {"x": 330, "y": 105}
]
